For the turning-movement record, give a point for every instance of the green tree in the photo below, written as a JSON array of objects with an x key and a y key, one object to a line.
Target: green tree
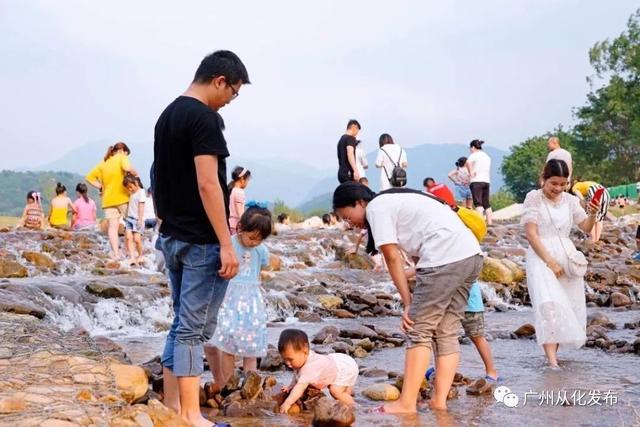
[
  {"x": 521, "y": 168},
  {"x": 280, "y": 207},
  {"x": 608, "y": 131}
]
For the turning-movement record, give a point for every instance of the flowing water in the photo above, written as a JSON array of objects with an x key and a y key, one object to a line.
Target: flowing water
[{"x": 601, "y": 389}]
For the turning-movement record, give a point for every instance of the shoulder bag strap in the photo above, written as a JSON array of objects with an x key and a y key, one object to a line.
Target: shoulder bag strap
[{"x": 554, "y": 225}]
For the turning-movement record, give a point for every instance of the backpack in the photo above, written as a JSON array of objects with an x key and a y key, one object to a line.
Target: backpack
[
  {"x": 471, "y": 218},
  {"x": 398, "y": 176}
]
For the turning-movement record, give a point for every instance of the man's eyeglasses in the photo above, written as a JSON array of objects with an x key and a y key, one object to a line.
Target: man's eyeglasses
[{"x": 234, "y": 93}]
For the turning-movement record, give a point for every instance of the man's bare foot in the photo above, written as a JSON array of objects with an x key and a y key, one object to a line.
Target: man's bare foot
[{"x": 398, "y": 407}]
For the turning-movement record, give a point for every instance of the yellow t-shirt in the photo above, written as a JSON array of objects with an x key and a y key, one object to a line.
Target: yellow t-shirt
[
  {"x": 110, "y": 174},
  {"x": 583, "y": 187},
  {"x": 58, "y": 216}
]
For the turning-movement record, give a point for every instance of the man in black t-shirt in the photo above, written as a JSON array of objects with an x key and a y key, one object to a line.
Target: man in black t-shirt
[
  {"x": 347, "y": 170},
  {"x": 192, "y": 201}
]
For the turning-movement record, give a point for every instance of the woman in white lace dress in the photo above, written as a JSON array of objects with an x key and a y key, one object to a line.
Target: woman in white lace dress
[{"x": 557, "y": 298}]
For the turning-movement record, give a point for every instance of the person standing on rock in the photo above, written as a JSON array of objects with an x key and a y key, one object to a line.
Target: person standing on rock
[
  {"x": 559, "y": 153},
  {"x": 107, "y": 177},
  {"x": 390, "y": 155},
  {"x": 557, "y": 294},
  {"x": 460, "y": 178},
  {"x": 361, "y": 161},
  {"x": 449, "y": 260},
  {"x": 347, "y": 166},
  {"x": 192, "y": 201},
  {"x": 479, "y": 167},
  {"x": 240, "y": 178}
]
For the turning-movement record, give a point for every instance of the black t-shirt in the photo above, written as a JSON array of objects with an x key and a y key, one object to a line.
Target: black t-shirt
[
  {"x": 185, "y": 129},
  {"x": 344, "y": 168}
]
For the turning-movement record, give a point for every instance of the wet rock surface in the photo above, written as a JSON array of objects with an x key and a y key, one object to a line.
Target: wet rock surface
[{"x": 313, "y": 281}]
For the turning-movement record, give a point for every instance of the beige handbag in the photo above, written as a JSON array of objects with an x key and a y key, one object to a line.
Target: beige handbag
[{"x": 577, "y": 262}]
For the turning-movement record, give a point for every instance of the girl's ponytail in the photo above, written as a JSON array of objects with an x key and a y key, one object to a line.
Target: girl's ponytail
[{"x": 83, "y": 189}]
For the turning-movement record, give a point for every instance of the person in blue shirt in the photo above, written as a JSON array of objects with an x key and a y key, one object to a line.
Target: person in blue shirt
[{"x": 473, "y": 325}]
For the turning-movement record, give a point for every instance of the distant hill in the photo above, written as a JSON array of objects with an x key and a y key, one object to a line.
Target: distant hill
[
  {"x": 318, "y": 203},
  {"x": 14, "y": 187},
  {"x": 295, "y": 183}
]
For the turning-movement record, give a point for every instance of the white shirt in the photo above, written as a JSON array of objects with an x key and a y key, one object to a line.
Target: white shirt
[
  {"x": 361, "y": 161},
  {"x": 386, "y": 164},
  {"x": 136, "y": 198},
  {"x": 481, "y": 166},
  {"x": 149, "y": 212},
  {"x": 422, "y": 227},
  {"x": 564, "y": 155}
]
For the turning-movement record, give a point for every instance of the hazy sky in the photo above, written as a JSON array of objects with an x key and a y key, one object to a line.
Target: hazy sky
[{"x": 74, "y": 72}]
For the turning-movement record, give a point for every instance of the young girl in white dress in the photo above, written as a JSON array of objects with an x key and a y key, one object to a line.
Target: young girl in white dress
[{"x": 557, "y": 297}]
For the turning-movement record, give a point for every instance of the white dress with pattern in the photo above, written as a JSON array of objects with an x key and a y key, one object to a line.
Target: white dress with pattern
[{"x": 558, "y": 303}]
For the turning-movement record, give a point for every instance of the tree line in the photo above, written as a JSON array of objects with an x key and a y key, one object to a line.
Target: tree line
[{"x": 605, "y": 142}]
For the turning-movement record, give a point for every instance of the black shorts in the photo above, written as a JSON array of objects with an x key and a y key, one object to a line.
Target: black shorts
[
  {"x": 344, "y": 176},
  {"x": 638, "y": 233},
  {"x": 480, "y": 194}
]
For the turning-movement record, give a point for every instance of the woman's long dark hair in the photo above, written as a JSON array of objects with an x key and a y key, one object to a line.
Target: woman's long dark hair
[
  {"x": 83, "y": 189},
  {"x": 238, "y": 173}
]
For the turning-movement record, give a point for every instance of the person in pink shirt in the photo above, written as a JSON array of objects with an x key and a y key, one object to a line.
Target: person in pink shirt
[
  {"x": 337, "y": 371},
  {"x": 85, "y": 215},
  {"x": 239, "y": 180}
]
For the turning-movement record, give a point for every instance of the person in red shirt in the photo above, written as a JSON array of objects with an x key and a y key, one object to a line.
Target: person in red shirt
[{"x": 439, "y": 190}]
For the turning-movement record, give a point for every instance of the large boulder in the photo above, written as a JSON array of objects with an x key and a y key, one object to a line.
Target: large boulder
[
  {"x": 518, "y": 273},
  {"x": 381, "y": 391},
  {"x": 495, "y": 271},
  {"x": 38, "y": 259},
  {"x": 330, "y": 302},
  {"x": 131, "y": 381},
  {"x": 272, "y": 361},
  {"x": 618, "y": 299},
  {"x": 13, "y": 303},
  {"x": 104, "y": 290},
  {"x": 359, "y": 332},
  {"x": 329, "y": 413},
  {"x": 12, "y": 269},
  {"x": 525, "y": 331}
]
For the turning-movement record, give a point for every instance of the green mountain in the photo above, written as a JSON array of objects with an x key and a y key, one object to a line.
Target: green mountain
[{"x": 14, "y": 187}]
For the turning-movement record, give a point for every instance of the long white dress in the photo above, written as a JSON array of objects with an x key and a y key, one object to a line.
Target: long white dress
[{"x": 558, "y": 304}]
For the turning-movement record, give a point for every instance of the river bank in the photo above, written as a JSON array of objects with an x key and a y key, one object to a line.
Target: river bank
[{"x": 64, "y": 280}]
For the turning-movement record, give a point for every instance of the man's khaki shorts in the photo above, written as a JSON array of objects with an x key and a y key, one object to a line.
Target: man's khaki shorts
[{"x": 438, "y": 304}]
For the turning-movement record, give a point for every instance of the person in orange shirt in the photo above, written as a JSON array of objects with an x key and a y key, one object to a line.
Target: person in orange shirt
[
  {"x": 439, "y": 190},
  {"x": 107, "y": 177}
]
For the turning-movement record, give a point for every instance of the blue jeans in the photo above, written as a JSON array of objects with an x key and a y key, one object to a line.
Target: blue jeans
[{"x": 197, "y": 291}]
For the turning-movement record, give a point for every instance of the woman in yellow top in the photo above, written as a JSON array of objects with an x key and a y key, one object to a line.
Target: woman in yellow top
[
  {"x": 585, "y": 190},
  {"x": 107, "y": 177},
  {"x": 59, "y": 209}
]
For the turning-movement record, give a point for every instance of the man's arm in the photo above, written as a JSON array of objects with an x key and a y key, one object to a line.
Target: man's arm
[
  {"x": 213, "y": 202},
  {"x": 351, "y": 156},
  {"x": 395, "y": 264}
]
